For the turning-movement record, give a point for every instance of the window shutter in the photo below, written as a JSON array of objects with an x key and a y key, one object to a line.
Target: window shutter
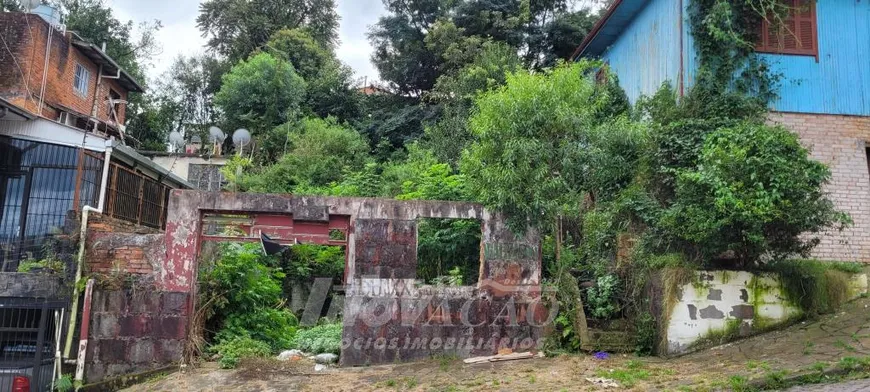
[
  {"x": 798, "y": 33},
  {"x": 805, "y": 17}
]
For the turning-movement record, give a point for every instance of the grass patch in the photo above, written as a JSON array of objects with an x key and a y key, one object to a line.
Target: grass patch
[{"x": 633, "y": 372}]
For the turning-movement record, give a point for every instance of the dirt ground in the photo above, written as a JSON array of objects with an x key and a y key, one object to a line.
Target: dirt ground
[{"x": 804, "y": 348}]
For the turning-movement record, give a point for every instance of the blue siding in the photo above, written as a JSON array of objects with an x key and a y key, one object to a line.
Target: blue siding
[
  {"x": 648, "y": 51},
  {"x": 839, "y": 83}
]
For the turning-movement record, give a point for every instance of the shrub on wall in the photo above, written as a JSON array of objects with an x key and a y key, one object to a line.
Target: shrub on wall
[{"x": 753, "y": 192}]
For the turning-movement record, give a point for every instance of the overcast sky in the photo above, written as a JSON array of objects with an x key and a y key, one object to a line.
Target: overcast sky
[{"x": 180, "y": 35}]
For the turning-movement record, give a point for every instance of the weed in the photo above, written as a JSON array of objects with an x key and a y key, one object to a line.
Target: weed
[
  {"x": 629, "y": 376},
  {"x": 738, "y": 384},
  {"x": 775, "y": 378},
  {"x": 390, "y": 383},
  {"x": 532, "y": 379},
  {"x": 841, "y": 344},
  {"x": 411, "y": 382},
  {"x": 808, "y": 348},
  {"x": 752, "y": 365},
  {"x": 445, "y": 360}
]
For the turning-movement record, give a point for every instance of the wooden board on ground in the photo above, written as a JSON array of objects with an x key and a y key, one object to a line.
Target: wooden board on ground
[{"x": 498, "y": 358}]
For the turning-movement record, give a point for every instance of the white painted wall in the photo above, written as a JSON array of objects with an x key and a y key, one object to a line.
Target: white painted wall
[
  {"x": 719, "y": 299},
  {"x": 180, "y": 165}
]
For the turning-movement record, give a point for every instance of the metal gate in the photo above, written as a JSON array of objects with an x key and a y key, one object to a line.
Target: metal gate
[
  {"x": 30, "y": 331},
  {"x": 14, "y": 193}
]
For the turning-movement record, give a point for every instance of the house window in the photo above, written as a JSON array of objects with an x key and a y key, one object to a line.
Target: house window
[
  {"x": 80, "y": 82},
  {"x": 797, "y": 34}
]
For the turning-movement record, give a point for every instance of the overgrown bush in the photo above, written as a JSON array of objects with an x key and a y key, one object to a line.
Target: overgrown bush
[
  {"x": 603, "y": 298},
  {"x": 754, "y": 192},
  {"x": 239, "y": 347},
  {"x": 243, "y": 299},
  {"x": 323, "y": 338}
]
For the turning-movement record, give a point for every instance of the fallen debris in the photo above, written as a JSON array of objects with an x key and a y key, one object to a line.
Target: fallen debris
[
  {"x": 325, "y": 358},
  {"x": 603, "y": 382},
  {"x": 499, "y": 357},
  {"x": 288, "y": 355}
]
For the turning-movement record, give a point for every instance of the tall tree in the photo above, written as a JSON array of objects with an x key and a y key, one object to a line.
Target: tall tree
[
  {"x": 189, "y": 86},
  {"x": 10, "y": 6},
  {"x": 330, "y": 83},
  {"x": 400, "y": 55},
  {"x": 401, "y": 38},
  {"x": 260, "y": 94},
  {"x": 236, "y": 28}
]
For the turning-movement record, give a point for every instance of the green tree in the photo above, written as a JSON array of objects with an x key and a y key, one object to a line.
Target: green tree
[
  {"x": 189, "y": 87},
  {"x": 151, "y": 126},
  {"x": 456, "y": 91},
  {"x": 404, "y": 54},
  {"x": 330, "y": 83},
  {"x": 260, "y": 94},
  {"x": 236, "y": 28},
  {"x": 10, "y": 6},
  {"x": 564, "y": 33},
  {"x": 528, "y": 156},
  {"x": 400, "y": 52},
  {"x": 320, "y": 153}
]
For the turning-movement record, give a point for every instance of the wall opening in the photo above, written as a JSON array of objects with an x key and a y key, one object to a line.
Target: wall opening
[{"x": 448, "y": 251}]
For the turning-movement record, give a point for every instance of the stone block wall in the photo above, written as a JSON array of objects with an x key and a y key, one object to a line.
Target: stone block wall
[
  {"x": 841, "y": 143},
  {"x": 132, "y": 331}
]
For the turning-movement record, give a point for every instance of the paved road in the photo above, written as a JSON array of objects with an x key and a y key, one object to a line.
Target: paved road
[{"x": 849, "y": 386}]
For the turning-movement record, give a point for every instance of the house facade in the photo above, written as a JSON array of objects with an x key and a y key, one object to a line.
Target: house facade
[
  {"x": 63, "y": 105},
  {"x": 824, "y": 96}
]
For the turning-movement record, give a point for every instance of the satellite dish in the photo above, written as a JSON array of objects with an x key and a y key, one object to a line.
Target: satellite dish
[
  {"x": 241, "y": 137},
  {"x": 215, "y": 135},
  {"x": 176, "y": 140},
  {"x": 30, "y": 4}
]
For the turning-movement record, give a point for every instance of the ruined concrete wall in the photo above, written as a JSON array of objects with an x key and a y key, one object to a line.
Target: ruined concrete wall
[
  {"x": 382, "y": 258},
  {"x": 135, "y": 324},
  {"x": 736, "y": 303},
  {"x": 30, "y": 285},
  {"x": 135, "y": 330}
]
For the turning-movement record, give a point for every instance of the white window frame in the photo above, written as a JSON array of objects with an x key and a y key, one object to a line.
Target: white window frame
[{"x": 81, "y": 80}]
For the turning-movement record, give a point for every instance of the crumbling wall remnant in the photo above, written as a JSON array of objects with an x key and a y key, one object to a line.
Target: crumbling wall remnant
[{"x": 388, "y": 316}]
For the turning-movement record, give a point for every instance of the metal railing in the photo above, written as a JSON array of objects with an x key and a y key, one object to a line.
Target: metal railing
[{"x": 135, "y": 198}]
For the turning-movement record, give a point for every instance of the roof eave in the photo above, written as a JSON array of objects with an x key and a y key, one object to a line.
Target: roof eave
[
  {"x": 133, "y": 155},
  {"x": 85, "y": 46},
  {"x": 16, "y": 110}
]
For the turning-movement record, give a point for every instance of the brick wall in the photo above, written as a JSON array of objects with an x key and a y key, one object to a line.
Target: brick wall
[
  {"x": 840, "y": 142},
  {"x": 28, "y": 35},
  {"x": 118, "y": 246}
]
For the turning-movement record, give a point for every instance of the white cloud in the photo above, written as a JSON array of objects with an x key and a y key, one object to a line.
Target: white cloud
[{"x": 180, "y": 36}]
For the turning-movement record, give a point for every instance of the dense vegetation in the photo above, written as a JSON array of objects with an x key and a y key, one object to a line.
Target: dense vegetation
[{"x": 478, "y": 105}]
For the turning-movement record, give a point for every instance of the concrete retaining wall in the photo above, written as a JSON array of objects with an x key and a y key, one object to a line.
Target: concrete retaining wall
[{"x": 736, "y": 303}]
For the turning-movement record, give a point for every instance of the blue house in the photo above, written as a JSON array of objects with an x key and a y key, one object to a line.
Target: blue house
[{"x": 824, "y": 94}]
